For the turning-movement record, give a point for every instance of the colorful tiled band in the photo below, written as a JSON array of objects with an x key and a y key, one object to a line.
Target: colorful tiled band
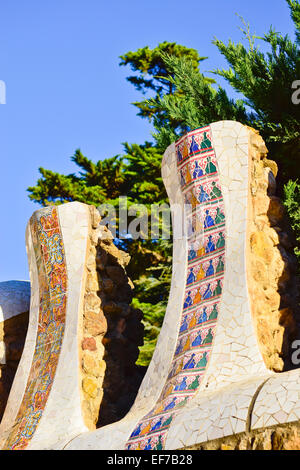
[{"x": 199, "y": 179}]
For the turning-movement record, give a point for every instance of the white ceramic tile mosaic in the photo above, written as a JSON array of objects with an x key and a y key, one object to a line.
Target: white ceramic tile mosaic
[
  {"x": 51, "y": 420},
  {"x": 207, "y": 367},
  {"x": 219, "y": 405},
  {"x": 278, "y": 401}
]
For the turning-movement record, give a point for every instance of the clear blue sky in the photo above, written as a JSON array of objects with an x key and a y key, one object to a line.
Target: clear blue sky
[{"x": 59, "y": 60}]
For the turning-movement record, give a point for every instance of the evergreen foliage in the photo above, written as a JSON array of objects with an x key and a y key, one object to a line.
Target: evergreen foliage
[
  {"x": 181, "y": 98},
  {"x": 153, "y": 76},
  {"x": 137, "y": 175},
  {"x": 292, "y": 204},
  {"x": 264, "y": 81}
]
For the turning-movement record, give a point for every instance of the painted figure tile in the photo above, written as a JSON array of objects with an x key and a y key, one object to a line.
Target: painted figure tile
[
  {"x": 198, "y": 174},
  {"x": 52, "y": 271}
]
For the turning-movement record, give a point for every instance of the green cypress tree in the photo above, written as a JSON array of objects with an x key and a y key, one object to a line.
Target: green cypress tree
[
  {"x": 137, "y": 175},
  {"x": 183, "y": 99},
  {"x": 264, "y": 81},
  {"x": 152, "y": 76}
]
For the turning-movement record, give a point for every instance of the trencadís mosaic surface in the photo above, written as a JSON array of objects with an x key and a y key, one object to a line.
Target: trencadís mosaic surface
[
  {"x": 51, "y": 266},
  {"x": 199, "y": 178}
]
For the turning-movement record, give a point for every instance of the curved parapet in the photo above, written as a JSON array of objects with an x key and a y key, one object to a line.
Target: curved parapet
[
  {"x": 45, "y": 405},
  {"x": 14, "y": 311},
  {"x": 213, "y": 356},
  {"x": 278, "y": 402},
  {"x": 216, "y": 344},
  {"x": 229, "y": 322},
  {"x": 14, "y": 298}
]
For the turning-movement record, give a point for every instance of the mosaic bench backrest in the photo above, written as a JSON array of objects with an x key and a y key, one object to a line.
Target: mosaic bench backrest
[
  {"x": 208, "y": 341},
  {"x": 207, "y": 170},
  {"x": 210, "y": 362},
  {"x": 45, "y": 404}
]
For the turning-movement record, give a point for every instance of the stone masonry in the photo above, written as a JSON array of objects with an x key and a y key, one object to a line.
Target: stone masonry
[
  {"x": 112, "y": 332},
  {"x": 272, "y": 265}
]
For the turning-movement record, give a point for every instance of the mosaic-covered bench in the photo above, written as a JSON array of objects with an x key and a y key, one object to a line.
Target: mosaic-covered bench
[
  {"x": 208, "y": 375},
  {"x": 212, "y": 373}
]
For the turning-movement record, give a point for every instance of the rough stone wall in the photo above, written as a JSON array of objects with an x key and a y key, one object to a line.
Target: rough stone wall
[
  {"x": 12, "y": 337},
  {"x": 273, "y": 284},
  {"x": 125, "y": 331},
  {"x": 283, "y": 437},
  {"x": 94, "y": 327},
  {"x": 112, "y": 332}
]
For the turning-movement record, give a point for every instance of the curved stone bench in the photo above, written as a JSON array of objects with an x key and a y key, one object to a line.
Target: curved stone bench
[
  {"x": 210, "y": 362},
  {"x": 45, "y": 403},
  {"x": 14, "y": 313},
  {"x": 213, "y": 370},
  {"x": 14, "y": 301},
  {"x": 80, "y": 293},
  {"x": 14, "y": 298}
]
